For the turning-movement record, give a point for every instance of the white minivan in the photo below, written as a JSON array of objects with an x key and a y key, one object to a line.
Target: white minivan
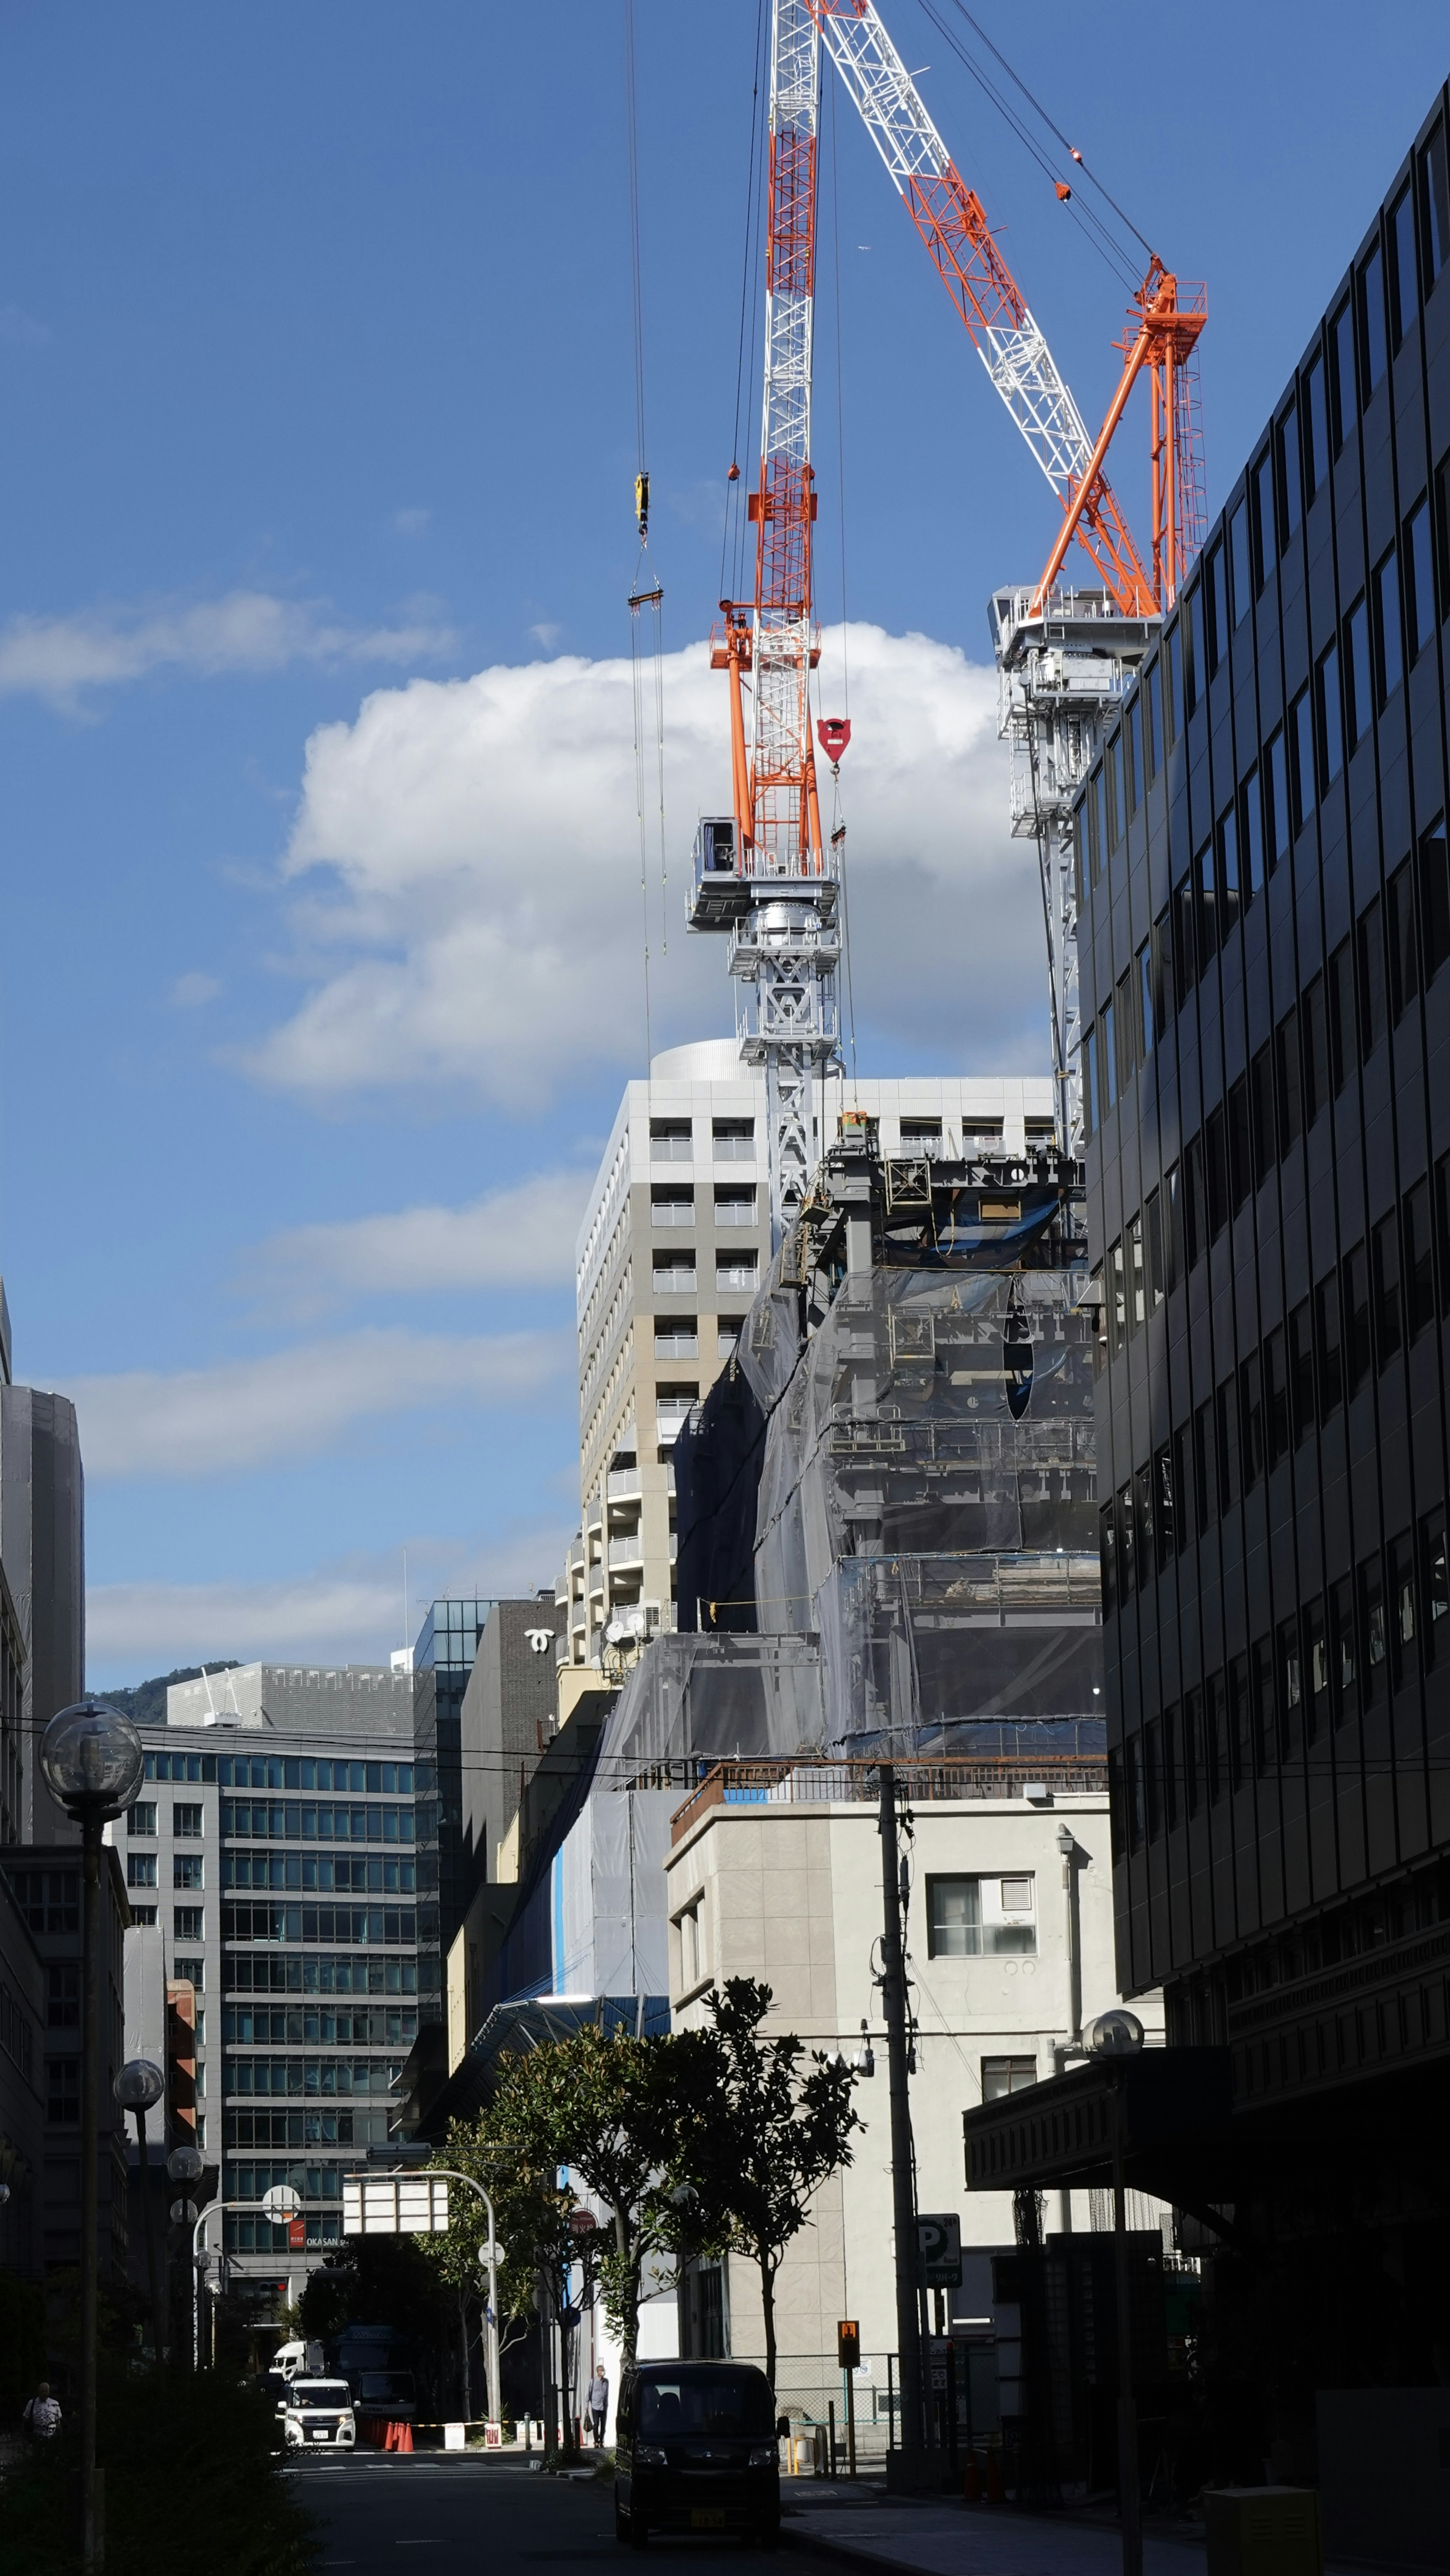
[{"x": 317, "y": 2411}]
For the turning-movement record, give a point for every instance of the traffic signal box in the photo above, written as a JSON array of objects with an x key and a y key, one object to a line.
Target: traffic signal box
[{"x": 848, "y": 2344}]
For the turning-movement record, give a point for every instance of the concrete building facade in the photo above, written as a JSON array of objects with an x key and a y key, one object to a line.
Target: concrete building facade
[
  {"x": 45, "y": 1879},
  {"x": 42, "y": 1551},
  {"x": 672, "y": 1249}
]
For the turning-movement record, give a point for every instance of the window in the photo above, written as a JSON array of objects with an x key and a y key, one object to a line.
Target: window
[
  {"x": 1315, "y": 1049},
  {"x": 734, "y": 1139},
  {"x": 1133, "y": 740},
  {"x": 1389, "y": 649},
  {"x": 63, "y": 1997},
  {"x": 1357, "y": 1352},
  {"x": 1342, "y": 1056},
  {"x": 1344, "y": 386},
  {"x": 691, "y": 1946},
  {"x": 1127, "y": 1546},
  {"x": 1228, "y": 869},
  {"x": 1240, "y": 1159},
  {"x": 1435, "y": 1565},
  {"x": 728, "y": 1329},
  {"x": 1117, "y": 1301},
  {"x": 1117, "y": 803},
  {"x": 1165, "y": 1518},
  {"x": 1442, "y": 1228},
  {"x": 1173, "y": 1226},
  {"x": 670, "y": 1140},
  {"x": 1110, "y": 1053},
  {"x": 1442, "y": 526},
  {"x": 186, "y": 1922},
  {"x": 1343, "y": 1655},
  {"x": 1434, "y": 206},
  {"x": 1266, "y": 547},
  {"x": 1286, "y": 1072},
  {"x": 1402, "y": 244},
  {"x": 734, "y": 1206},
  {"x": 1184, "y": 946},
  {"x": 1229, "y": 1465},
  {"x": 1301, "y": 1373},
  {"x": 1152, "y": 1780},
  {"x": 1331, "y": 721},
  {"x": 1180, "y": 1519},
  {"x": 676, "y": 1338},
  {"x": 1205, "y": 906},
  {"x": 1301, "y": 736},
  {"x": 186, "y": 1869},
  {"x": 1156, "y": 1250},
  {"x": 1329, "y": 1350},
  {"x": 1004, "y": 2075},
  {"x": 673, "y": 1274},
  {"x": 1360, "y": 698},
  {"x": 671, "y": 1207},
  {"x": 1419, "y": 578},
  {"x": 1385, "y": 1269},
  {"x": 1253, "y": 1448},
  {"x": 921, "y": 1135},
  {"x": 1278, "y": 817},
  {"x": 1369, "y": 941},
  {"x": 1214, "y": 630},
  {"x": 186, "y": 1823},
  {"x": 1404, "y": 953},
  {"x": 1092, "y": 1107},
  {"x": 1374, "y": 1631},
  {"x": 143, "y": 1913},
  {"x": 1096, "y": 832},
  {"x": 1215, "y": 1159},
  {"x": 1192, "y": 1748},
  {"x": 1133, "y": 1801},
  {"x": 1196, "y": 671},
  {"x": 1108, "y": 1553},
  {"x": 736, "y": 1269},
  {"x": 191, "y": 1971},
  {"x": 1316, "y": 1672},
  {"x": 1253, "y": 819},
  {"x": 1276, "y": 1398},
  {"x": 1402, "y": 1608},
  {"x": 1195, "y": 1211},
  {"x": 979, "y": 1918},
  {"x": 1145, "y": 1030},
  {"x": 1372, "y": 318},
  {"x": 1125, "y": 1015},
  {"x": 1137, "y": 1284},
  {"x": 1316, "y": 442},
  {"x": 1290, "y": 1687},
  {"x": 1174, "y": 709},
  {"x": 1289, "y": 470},
  {"x": 1419, "y": 1261},
  {"x": 1153, "y": 727},
  {"x": 1214, "y": 1765},
  {"x": 141, "y": 1819},
  {"x": 1261, "y": 1112},
  {"x": 63, "y": 2090},
  {"x": 1238, "y": 539},
  {"x": 1261, "y": 1704},
  {"x": 140, "y": 1869}
]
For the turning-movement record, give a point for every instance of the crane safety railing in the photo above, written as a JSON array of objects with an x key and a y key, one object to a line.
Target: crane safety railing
[{"x": 812, "y": 1780}]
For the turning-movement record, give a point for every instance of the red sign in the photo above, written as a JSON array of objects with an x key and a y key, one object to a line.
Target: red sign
[{"x": 296, "y": 2233}]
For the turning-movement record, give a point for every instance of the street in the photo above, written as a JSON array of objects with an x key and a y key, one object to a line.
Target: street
[{"x": 376, "y": 2513}]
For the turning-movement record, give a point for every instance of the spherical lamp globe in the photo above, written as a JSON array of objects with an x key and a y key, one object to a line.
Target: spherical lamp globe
[
  {"x": 184, "y": 2165},
  {"x": 140, "y": 2085},
  {"x": 92, "y": 1759},
  {"x": 1115, "y": 2033}
]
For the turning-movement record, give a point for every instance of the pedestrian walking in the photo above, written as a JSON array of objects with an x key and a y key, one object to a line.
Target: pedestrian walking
[
  {"x": 42, "y": 2415},
  {"x": 599, "y": 2403}
]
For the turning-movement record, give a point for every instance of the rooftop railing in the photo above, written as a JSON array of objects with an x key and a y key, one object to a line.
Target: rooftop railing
[{"x": 812, "y": 1781}]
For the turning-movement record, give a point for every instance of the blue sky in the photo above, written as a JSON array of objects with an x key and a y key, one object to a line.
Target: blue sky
[{"x": 321, "y": 973}]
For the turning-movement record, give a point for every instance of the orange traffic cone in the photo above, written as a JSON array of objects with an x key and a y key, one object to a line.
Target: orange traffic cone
[
  {"x": 972, "y": 2482},
  {"x": 996, "y": 2492}
]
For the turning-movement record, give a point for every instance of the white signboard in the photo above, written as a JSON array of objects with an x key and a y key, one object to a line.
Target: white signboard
[{"x": 394, "y": 2205}]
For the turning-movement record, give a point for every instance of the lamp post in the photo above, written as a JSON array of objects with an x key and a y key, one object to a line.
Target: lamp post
[
  {"x": 93, "y": 1764},
  {"x": 1116, "y": 2035},
  {"x": 139, "y": 2087},
  {"x": 184, "y": 2166}
]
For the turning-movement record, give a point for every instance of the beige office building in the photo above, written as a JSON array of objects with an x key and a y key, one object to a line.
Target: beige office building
[{"x": 671, "y": 1251}]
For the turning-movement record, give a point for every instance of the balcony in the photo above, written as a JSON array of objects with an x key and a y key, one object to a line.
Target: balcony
[
  {"x": 674, "y": 1278},
  {"x": 625, "y": 1551},
  {"x": 672, "y": 1207},
  {"x": 738, "y": 1274},
  {"x": 623, "y": 1484},
  {"x": 677, "y": 1342},
  {"x": 734, "y": 1207}
]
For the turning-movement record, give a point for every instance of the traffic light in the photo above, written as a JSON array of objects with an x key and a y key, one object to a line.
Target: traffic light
[{"x": 848, "y": 2344}]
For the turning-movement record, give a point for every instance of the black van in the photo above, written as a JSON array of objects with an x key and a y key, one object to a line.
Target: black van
[{"x": 695, "y": 2450}]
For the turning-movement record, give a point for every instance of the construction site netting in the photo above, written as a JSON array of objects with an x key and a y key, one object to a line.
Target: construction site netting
[{"x": 915, "y": 1484}]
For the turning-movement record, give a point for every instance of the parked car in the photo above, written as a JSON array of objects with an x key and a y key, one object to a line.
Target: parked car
[
  {"x": 696, "y": 2450},
  {"x": 315, "y": 2411}
]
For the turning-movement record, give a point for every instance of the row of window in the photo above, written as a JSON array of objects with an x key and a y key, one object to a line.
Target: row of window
[
  {"x": 363, "y": 1924},
  {"x": 314, "y": 1973},
  {"x": 311, "y": 2182},
  {"x": 734, "y": 1204},
  {"x": 1294, "y": 1692},
  {"x": 186, "y": 1869},
  {"x": 16, "y": 2037},
  {"x": 49, "y": 1899},
  {"x": 186, "y": 1819},
  {"x": 671, "y": 1140},
  {"x": 321, "y": 2075},
  {"x": 290, "y": 1820},
  {"x": 299, "y": 2129},
  {"x": 673, "y": 1275},
  {"x": 254, "y": 2024},
  {"x": 677, "y": 1337},
  {"x": 1381, "y": 1298},
  {"x": 323, "y": 1873},
  {"x": 284, "y": 1771}
]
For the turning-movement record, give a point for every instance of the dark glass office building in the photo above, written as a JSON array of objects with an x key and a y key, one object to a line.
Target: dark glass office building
[{"x": 1266, "y": 972}]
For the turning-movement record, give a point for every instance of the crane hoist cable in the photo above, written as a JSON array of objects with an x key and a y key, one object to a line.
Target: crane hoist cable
[{"x": 646, "y": 596}]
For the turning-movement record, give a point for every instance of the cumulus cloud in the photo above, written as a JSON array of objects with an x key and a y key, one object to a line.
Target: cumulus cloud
[
  {"x": 299, "y": 1402},
  {"x": 60, "y": 658},
  {"x": 466, "y": 861},
  {"x": 350, "y": 1611},
  {"x": 521, "y": 1237}
]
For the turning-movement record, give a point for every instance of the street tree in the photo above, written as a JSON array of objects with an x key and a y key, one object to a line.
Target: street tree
[
  {"x": 774, "y": 2132},
  {"x": 625, "y": 2115}
]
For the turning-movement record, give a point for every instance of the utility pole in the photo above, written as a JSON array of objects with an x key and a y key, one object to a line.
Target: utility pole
[{"x": 903, "y": 2192}]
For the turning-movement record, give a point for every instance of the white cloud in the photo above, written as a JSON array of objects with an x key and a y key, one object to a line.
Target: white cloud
[
  {"x": 296, "y": 1403},
  {"x": 190, "y": 992},
  {"x": 518, "y": 1237},
  {"x": 470, "y": 853},
  {"x": 546, "y": 635},
  {"x": 57, "y": 658},
  {"x": 411, "y": 523},
  {"x": 348, "y": 1612}
]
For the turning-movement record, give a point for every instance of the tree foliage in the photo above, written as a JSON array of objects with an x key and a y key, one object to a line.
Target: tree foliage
[{"x": 775, "y": 2133}]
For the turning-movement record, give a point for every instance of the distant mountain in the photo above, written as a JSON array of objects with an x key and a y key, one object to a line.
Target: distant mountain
[{"x": 145, "y": 1704}]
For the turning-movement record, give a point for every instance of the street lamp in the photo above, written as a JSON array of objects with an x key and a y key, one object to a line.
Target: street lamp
[
  {"x": 1117, "y": 2035},
  {"x": 139, "y": 2087},
  {"x": 93, "y": 1764},
  {"x": 184, "y": 2166}
]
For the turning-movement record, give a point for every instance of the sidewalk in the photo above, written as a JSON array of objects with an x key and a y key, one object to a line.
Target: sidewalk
[{"x": 936, "y": 2537}]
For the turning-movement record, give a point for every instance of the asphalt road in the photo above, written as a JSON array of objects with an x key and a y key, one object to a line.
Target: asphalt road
[{"x": 431, "y": 2514}]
